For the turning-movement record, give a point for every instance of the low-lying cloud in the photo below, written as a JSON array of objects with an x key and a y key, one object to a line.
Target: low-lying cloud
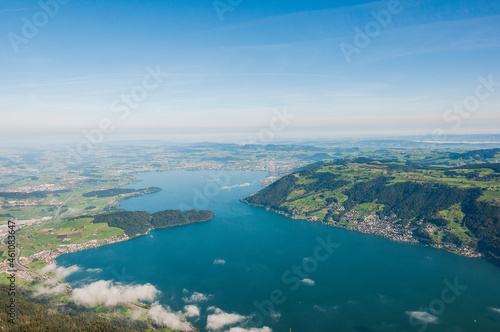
[
  {"x": 495, "y": 310},
  {"x": 275, "y": 315},
  {"x": 253, "y": 329},
  {"x": 60, "y": 271},
  {"x": 308, "y": 282},
  {"x": 110, "y": 294},
  {"x": 164, "y": 317},
  {"x": 219, "y": 261},
  {"x": 191, "y": 311},
  {"x": 423, "y": 316},
  {"x": 136, "y": 314},
  {"x": 42, "y": 290},
  {"x": 236, "y": 186},
  {"x": 98, "y": 270},
  {"x": 324, "y": 309},
  {"x": 220, "y": 319},
  {"x": 196, "y": 298}
]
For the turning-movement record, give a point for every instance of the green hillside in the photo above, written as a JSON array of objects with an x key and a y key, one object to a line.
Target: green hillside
[
  {"x": 37, "y": 314},
  {"x": 58, "y": 313},
  {"x": 103, "y": 228},
  {"x": 135, "y": 223},
  {"x": 457, "y": 209}
]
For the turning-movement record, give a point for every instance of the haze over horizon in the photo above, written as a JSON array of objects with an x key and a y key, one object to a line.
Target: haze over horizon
[
  {"x": 226, "y": 70},
  {"x": 250, "y": 165}
]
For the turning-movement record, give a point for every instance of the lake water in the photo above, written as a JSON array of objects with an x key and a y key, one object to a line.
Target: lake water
[{"x": 246, "y": 258}]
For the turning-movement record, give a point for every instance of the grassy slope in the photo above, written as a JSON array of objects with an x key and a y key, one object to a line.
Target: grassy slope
[
  {"x": 301, "y": 195},
  {"x": 37, "y": 238}
]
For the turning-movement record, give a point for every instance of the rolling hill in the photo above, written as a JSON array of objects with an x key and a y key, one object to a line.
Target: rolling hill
[{"x": 457, "y": 209}]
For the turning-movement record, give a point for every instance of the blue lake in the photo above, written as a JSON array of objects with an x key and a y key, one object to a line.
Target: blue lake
[{"x": 247, "y": 260}]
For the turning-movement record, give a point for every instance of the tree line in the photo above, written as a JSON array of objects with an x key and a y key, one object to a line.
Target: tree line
[{"x": 136, "y": 223}]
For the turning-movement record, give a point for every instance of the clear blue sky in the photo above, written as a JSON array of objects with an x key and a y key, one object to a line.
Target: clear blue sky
[{"x": 227, "y": 75}]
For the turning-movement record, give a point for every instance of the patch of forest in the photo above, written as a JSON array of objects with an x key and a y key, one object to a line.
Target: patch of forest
[
  {"x": 119, "y": 191},
  {"x": 33, "y": 194},
  {"x": 135, "y": 223},
  {"x": 109, "y": 192},
  {"x": 38, "y": 314}
]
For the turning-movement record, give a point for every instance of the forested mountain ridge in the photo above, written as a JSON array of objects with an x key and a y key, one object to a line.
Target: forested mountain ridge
[
  {"x": 457, "y": 209},
  {"x": 136, "y": 223}
]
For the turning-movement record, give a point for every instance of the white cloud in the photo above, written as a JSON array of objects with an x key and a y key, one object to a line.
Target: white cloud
[
  {"x": 169, "y": 319},
  {"x": 237, "y": 186},
  {"x": 110, "y": 294},
  {"x": 253, "y": 329},
  {"x": 309, "y": 282},
  {"x": 423, "y": 316},
  {"x": 219, "y": 261},
  {"x": 191, "y": 311},
  {"x": 324, "y": 309},
  {"x": 495, "y": 310},
  {"x": 136, "y": 314},
  {"x": 319, "y": 308},
  {"x": 275, "y": 315},
  {"x": 60, "y": 271},
  {"x": 219, "y": 319},
  {"x": 94, "y": 270},
  {"x": 195, "y": 297},
  {"x": 42, "y": 290}
]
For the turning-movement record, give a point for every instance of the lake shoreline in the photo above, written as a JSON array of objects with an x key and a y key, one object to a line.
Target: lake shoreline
[
  {"x": 461, "y": 251},
  {"x": 50, "y": 256}
]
